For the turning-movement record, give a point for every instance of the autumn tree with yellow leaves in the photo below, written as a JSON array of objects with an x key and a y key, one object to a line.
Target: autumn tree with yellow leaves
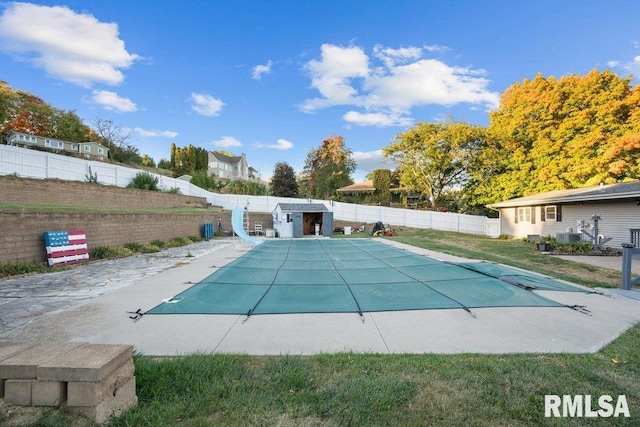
[{"x": 550, "y": 134}]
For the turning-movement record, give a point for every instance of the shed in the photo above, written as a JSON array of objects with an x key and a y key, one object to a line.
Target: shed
[{"x": 300, "y": 219}]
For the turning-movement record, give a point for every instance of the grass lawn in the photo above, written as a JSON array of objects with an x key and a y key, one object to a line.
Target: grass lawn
[{"x": 399, "y": 390}]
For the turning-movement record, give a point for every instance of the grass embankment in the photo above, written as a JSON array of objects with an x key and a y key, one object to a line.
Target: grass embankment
[
  {"x": 514, "y": 252},
  {"x": 375, "y": 390}
]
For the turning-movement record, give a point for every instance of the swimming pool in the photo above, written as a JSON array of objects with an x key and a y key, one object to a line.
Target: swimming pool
[{"x": 355, "y": 275}]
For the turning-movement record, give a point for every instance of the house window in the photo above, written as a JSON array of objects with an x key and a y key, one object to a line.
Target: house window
[
  {"x": 87, "y": 148},
  {"x": 524, "y": 214},
  {"x": 550, "y": 213},
  {"x": 53, "y": 144},
  {"x": 74, "y": 147},
  {"x": 100, "y": 150}
]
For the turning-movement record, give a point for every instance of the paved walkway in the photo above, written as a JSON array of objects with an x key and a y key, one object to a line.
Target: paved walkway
[
  {"x": 610, "y": 262},
  {"x": 94, "y": 302},
  {"x": 27, "y": 298}
]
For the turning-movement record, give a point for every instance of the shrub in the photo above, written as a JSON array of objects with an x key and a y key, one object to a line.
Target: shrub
[
  {"x": 159, "y": 243},
  {"x": 134, "y": 247},
  {"x": 581, "y": 247},
  {"x": 102, "y": 252},
  {"x": 177, "y": 241},
  {"x": 91, "y": 177},
  {"x": 144, "y": 181},
  {"x": 22, "y": 268},
  {"x": 149, "y": 249}
]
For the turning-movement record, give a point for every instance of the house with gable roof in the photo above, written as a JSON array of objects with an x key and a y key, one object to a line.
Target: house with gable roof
[
  {"x": 572, "y": 214},
  {"x": 87, "y": 150},
  {"x": 222, "y": 165}
]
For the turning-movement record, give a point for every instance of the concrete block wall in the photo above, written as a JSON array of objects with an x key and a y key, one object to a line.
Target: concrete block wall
[{"x": 96, "y": 380}]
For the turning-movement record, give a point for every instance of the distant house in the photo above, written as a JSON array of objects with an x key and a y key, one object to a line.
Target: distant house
[
  {"x": 565, "y": 214},
  {"x": 300, "y": 219},
  {"x": 364, "y": 192},
  {"x": 87, "y": 150},
  {"x": 231, "y": 167}
]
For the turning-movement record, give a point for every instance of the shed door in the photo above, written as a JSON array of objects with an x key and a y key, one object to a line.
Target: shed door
[
  {"x": 297, "y": 224},
  {"x": 327, "y": 223}
]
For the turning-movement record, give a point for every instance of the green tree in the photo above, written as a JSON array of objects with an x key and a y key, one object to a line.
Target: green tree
[
  {"x": 551, "y": 134},
  {"x": 328, "y": 168},
  {"x": 435, "y": 157},
  {"x": 188, "y": 160},
  {"x": 67, "y": 126},
  {"x": 164, "y": 164},
  {"x": 283, "y": 183},
  {"x": 242, "y": 186},
  {"x": 203, "y": 180},
  {"x": 382, "y": 183}
]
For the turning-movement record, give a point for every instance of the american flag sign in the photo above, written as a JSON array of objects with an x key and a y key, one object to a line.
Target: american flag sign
[{"x": 66, "y": 247}]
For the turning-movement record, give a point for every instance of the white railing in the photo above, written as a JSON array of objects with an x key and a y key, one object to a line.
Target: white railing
[{"x": 39, "y": 164}]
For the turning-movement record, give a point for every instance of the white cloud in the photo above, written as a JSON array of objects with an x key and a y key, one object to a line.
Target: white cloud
[
  {"x": 281, "y": 144},
  {"x": 632, "y": 67},
  {"x": 155, "y": 133},
  {"x": 436, "y": 48},
  {"x": 73, "y": 47},
  {"x": 332, "y": 76},
  {"x": 380, "y": 119},
  {"x": 205, "y": 104},
  {"x": 387, "y": 91},
  {"x": 226, "y": 141},
  {"x": 392, "y": 56},
  {"x": 259, "y": 70},
  {"x": 368, "y": 161},
  {"x": 111, "y": 101},
  {"x": 429, "y": 81}
]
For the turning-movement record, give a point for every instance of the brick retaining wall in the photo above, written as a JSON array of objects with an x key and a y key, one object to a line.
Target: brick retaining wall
[
  {"x": 55, "y": 192},
  {"x": 21, "y": 239},
  {"x": 21, "y": 231}
]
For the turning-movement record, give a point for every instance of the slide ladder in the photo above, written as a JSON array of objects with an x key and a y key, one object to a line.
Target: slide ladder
[{"x": 237, "y": 223}]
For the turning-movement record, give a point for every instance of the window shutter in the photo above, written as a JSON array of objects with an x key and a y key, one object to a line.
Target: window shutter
[
  {"x": 516, "y": 214},
  {"x": 559, "y": 213},
  {"x": 543, "y": 214},
  {"x": 533, "y": 214}
]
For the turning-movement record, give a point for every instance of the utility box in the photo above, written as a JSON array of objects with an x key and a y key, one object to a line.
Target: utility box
[{"x": 568, "y": 237}]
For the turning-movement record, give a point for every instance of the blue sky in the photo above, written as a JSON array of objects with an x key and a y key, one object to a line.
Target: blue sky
[{"x": 272, "y": 79}]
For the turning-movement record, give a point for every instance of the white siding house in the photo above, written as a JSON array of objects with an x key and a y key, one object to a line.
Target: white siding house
[
  {"x": 617, "y": 207},
  {"x": 231, "y": 167},
  {"x": 86, "y": 150}
]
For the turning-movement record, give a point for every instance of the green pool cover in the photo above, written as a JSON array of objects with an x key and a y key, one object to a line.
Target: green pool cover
[{"x": 354, "y": 275}]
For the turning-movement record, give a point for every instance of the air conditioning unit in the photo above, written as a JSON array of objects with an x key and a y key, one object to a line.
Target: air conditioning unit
[{"x": 568, "y": 237}]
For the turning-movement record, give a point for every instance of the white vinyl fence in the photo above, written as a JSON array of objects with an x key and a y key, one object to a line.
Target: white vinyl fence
[{"x": 38, "y": 164}]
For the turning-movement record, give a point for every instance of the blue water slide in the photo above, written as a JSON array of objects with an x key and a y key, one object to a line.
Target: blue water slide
[{"x": 237, "y": 219}]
